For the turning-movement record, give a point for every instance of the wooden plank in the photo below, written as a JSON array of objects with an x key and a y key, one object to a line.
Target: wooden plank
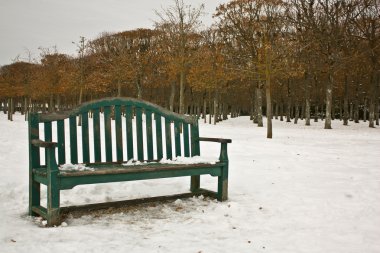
[
  {"x": 177, "y": 137},
  {"x": 97, "y": 144},
  {"x": 85, "y": 138},
  {"x": 119, "y": 135},
  {"x": 186, "y": 144},
  {"x": 149, "y": 134},
  {"x": 78, "y": 211},
  {"x": 73, "y": 140},
  {"x": 92, "y": 105},
  {"x": 168, "y": 138},
  {"x": 139, "y": 134},
  {"x": 158, "y": 167},
  {"x": 108, "y": 133},
  {"x": 61, "y": 141},
  {"x": 220, "y": 140},
  {"x": 34, "y": 162},
  {"x": 48, "y": 135},
  {"x": 129, "y": 130},
  {"x": 195, "y": 150},
  {"x": 158, "y": 136}
]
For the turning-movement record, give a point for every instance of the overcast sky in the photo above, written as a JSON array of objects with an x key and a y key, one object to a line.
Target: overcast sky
[{"x": 29, "y": 24}]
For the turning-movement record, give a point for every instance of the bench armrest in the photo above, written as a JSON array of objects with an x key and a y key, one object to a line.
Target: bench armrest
[
  {"x": 43, "y": 144},
  {"x": 223, "y": 157},
  {"x": 220, "y": 140}
]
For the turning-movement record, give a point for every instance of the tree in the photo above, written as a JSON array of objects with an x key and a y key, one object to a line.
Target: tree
[
  {"x": 178, "y": 22},
  {"x": 253, "y": 27}
]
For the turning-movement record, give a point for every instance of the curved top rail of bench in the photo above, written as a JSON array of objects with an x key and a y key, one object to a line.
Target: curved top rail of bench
[{"x": 95, "y": 104}]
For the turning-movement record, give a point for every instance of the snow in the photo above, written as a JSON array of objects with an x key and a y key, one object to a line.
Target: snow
[
  {"x": 74, "y": 167},
  {"x": 306, "y": 190},
  {"x": 190, "y": 160},
  {"x": 177, "y": 160}
]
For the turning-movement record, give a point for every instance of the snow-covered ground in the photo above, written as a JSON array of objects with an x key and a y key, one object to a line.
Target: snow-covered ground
[{"x": 306, "y": 190}]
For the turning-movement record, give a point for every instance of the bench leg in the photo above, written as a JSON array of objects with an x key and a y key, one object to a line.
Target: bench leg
[
  {"x": 223, "y": 185},
  {"x": 195, "y": 183},
  {"x": 34, "y": 196},
  {"x": 53, "y": 212}
]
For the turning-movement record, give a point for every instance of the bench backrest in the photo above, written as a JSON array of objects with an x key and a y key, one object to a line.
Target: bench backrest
[{"x": 140, "y": 131}]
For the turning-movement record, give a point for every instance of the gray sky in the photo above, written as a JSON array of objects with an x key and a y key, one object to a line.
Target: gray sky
[{"x": 29, "y": 24}]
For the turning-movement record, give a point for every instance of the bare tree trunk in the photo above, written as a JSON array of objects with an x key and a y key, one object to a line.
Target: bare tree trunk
[
  {"x": 172, "y": 95},
  {"x": 255, "y": 105},
  {"x": 210, "y": 110},
  {"x": 26, "y": 108},
  {"x": 182, "y": 92},
  {"x": 204, "y": 110},
  {"x": 377, "y": 105},
  {"x": 297, "y": 112},
  {"x": 139, "y": 88},
  {"x": 251, "y": 110},
  {"x": 118, "y": 88},
  {"x": 373, "y": 99},
  {"x": 268, "y": 71},
  {"x": 316, "y": 111},
  {"x": 329, "y": 100},
  {"x": 51, "y": 103},
  {"x": 351, "y": 111},
  {"x": 365, "y": 110},
  {"x": 356, "y": 110},
  {"x": 216, "y": 107},
  {"x": 10, "y": 109},
  {"x": 345, "y": 109},
  {"x": 276, "y": 111},
  {"x": 333, "y": 110},
  {"x": 259, "y": 107}
]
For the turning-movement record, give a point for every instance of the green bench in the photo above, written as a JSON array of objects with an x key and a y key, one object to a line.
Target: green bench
[{"x": 151, "y": 131}]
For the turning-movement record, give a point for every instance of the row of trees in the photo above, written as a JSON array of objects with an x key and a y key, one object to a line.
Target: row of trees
[{"x": 299, "y": 58}]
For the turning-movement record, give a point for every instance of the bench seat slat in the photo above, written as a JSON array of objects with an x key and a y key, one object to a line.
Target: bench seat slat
[{"x": 120, "y": 169}]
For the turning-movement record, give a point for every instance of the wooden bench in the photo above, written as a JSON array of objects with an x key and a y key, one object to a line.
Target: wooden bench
[{"x": 150, "y": 133}]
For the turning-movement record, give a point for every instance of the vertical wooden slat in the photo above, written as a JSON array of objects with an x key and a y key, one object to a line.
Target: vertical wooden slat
[
  {"x": 139, "y": 135},
  {"x": 168, "y": 138},
  {"x": 96, "y": 126},
  {"x": 177, "y": 137},
  {"x": 186, "y": 139},
  {"x": 34, "y": 162},
  {"x": 129, "y": 129},
  {"x": 149, "y": 134},
  {"x": 48, "y": 135},
  {"x": 158, "y": 136},
  {"x": 119, "y": 135},
  {"x": 73, "y": 140},
  {"x": 85, "y": 138},
  {"x": 107, "y": 133},
  {"x": 195, "y": 181},
  {"x": 195, "y": 150},
  {"x": 61, "y": 141}
]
